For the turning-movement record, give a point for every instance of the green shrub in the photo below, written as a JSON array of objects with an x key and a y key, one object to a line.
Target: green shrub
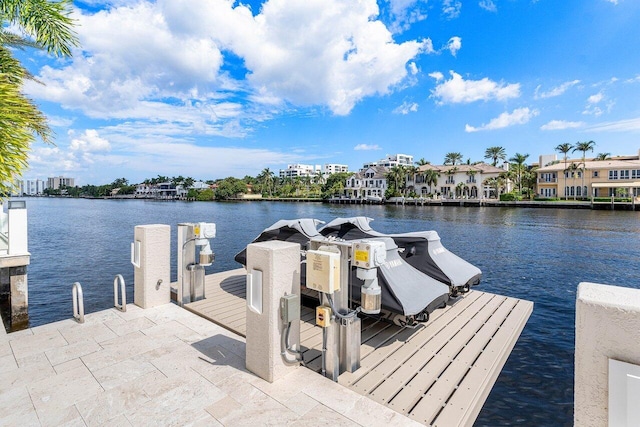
[{"x": 509, "y": 197}]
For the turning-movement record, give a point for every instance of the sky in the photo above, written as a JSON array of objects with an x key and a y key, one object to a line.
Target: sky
[{"x": 218, "y": 88}]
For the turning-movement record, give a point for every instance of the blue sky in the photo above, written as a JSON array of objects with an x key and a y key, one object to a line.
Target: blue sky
[{"x": 217, "y": 88}]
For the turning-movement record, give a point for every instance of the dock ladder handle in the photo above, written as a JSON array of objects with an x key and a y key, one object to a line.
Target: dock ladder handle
[
  {"x": 78, "y": 302},
  {"x": 123, "y": 295}
]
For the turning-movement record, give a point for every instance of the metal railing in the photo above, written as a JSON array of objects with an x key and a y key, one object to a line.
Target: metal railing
[
  {"x": 123, "y": 295},
  {"x": 78, "y": 302}
]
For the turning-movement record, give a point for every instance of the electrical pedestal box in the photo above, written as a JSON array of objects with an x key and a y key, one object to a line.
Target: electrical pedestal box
[
  {"x": 289, "y": 308},
  {"x": 323, "y": 271}
]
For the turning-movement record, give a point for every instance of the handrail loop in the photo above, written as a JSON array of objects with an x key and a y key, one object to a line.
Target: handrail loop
[
  {"x": 78, "y": 302},
  {"x": 123, "y": 295}
]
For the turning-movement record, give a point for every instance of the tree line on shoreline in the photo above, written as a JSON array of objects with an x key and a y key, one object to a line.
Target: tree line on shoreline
[{"x": 320, "y": 186}]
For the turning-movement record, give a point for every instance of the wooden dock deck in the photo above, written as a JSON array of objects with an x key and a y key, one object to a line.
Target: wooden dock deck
[{"x": 439, "y": 373}]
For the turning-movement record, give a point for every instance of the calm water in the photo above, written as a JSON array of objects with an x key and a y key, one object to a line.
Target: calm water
[{"x": 534, "y": 254}]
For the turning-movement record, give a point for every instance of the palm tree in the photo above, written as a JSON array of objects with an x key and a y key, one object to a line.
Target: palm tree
[
  {"x": 423, "y": 162},
  {"x": 395, "y": 175},
  {"x": 411, "y": 172},
  {"x": 584, "y": 147},
  {"x": 495, "y": 153},
  {"x": 573, "y": 168},
  {"x": 453, "y": 158},
  {"x": 519, "y": 159},
  {"x": 266, "y": 179},
  {"x": 564, "y": 149},
  {"x": 44, "y": 25},
  {"x": 603, "y": 156},
  {"x": 430, "y": 177}
]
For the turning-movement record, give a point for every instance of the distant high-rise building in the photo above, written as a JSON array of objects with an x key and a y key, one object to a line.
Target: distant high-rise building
[
  {"x": 391, "y": 161},
  {"x": 34, "y": 187},
  {"x": 331, "y": 168},
  {"x": 299, "y": 170},
  {"x": 60, "y": 181}
]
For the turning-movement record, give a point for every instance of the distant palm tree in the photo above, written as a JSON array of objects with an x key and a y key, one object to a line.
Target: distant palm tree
[
  {"x": 430, "y": 177},
  {"x": 411, "y": 172},
  {"x": 453, "y": 158},
  {"x": 495, "y": 153},
  {"x": 423, "y": 162},
  {"x": 584, "y": 147},
  {"x": 573, "y": 168},
  {"x": 396, "y": 175},
  {"x": 603, "y": 156},
  {"x": 266, "y": 179},
  {"x": 519, "y": 159},
  {"x": 564, "y": 149}
]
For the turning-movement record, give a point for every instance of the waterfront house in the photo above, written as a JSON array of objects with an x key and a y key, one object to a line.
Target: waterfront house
[
  {"x": 456, "y": 181},
  {"x": 370, "y": 182},
  {"x": 618, "y": 176}
]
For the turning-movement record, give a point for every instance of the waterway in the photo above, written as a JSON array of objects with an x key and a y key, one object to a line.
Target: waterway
[{"x": 535, "y": 254}]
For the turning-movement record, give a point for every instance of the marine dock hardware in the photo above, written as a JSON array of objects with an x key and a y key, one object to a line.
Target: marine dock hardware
[
  {"x": 392, "y": 317},
  {"x": 156, "y": 363}
]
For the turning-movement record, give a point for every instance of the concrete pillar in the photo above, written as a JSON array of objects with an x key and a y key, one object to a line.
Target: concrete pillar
[
  {"x": 279, "y": 263},
  {"x": 607, "y": 327},
  {"x": 152, "y": 276}
]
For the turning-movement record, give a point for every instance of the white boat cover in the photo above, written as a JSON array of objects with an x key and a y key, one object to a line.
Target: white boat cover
[
  {"x": 288, "y": 230},
  {"x": 423, "y": 250},
  {"x": 405, "y": 290}
]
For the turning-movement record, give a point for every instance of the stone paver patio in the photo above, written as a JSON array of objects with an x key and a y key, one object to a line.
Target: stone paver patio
[{"x": 161, "y": 366}]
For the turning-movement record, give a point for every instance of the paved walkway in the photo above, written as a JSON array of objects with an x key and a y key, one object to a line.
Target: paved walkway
[{"x": 162, "y": 366}]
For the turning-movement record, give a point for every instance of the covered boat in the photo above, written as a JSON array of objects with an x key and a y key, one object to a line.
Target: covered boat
[
  {"x": 422, "y": 250},
  {"x": 288, "y": 230},
  {"x": 405, "y": 290}
]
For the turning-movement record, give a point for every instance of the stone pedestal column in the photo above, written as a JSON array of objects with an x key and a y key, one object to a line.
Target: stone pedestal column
[
  {"x": 279, "y": 263},
  {"x": 152, "y": 277}
]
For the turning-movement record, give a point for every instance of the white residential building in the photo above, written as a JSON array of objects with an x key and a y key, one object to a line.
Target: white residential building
[
  {"x": 391, "y": 161},
  {"x": 299, "y": 170},
  {"x": 34, "y": 187},
  {"x": 459, "y": 181},
  {"x": 331, "y": 168},
  {"x": 370, "y": 182},
  {"x": 60, "y": 181}
]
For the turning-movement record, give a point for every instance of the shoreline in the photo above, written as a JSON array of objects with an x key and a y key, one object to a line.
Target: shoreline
[{"x": 492, "y": 203}]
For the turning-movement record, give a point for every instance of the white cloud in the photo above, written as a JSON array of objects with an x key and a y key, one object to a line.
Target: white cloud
[
  {"x": 457, "y": 90},
  {"x": 406, "y": 12},
  {"x": 595, "y": 99},
  {"x": 367, "y": 147},
  {"x": 451, "y": 8},
  {"x": 594, "y": 105},
  {"x": 556, "y": 91},
  {"x": 340, "y": 54},
  {"x": 148, "y": 152},
  {"x": 89, "y": 141},
  {"x": 413, "y": 68},
  {"x": 561, "y": 124},
  {"x": 518, "y": 116},
  {"x": 454, "y": 45},
  {"x": 437, "y": 75},
  {"x": 406, "y": 108},
  {"x": 488, "y": 5},
  {"x": 331, "y": 53},
  {"x": 613, "y": 1},
  {"x": 628, "y": 125}
]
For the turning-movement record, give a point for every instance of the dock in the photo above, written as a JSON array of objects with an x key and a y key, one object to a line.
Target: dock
[{"x": 439, "y": 373}]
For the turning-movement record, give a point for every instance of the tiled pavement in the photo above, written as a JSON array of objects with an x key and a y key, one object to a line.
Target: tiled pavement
[{"x": 162, "y": 366}]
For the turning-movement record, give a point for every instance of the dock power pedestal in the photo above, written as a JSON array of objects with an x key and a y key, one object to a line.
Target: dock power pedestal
[{"x": 194, "y": 254}]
